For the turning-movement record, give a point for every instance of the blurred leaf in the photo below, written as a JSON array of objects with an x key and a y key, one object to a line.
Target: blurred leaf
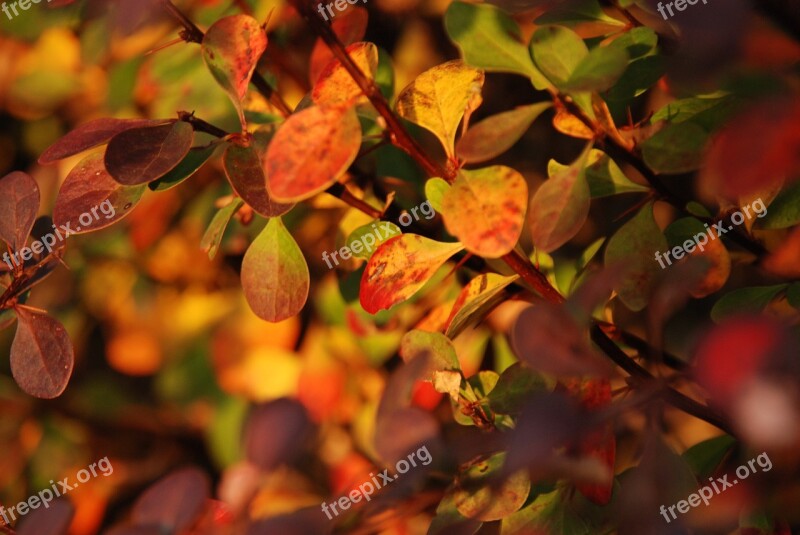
[
  {"x": 174, "y": 502},
  {"x": 475, "y": 496},
  {"x": 400, "y": 267},
  {"x": 793, "y": 294},
  {"x": 745, "y": 300},
  {"x": 192, "y": 163},
  {"x": 557, "y": 52},
  {"x": 275, "y": 433},
  {"x": 311, "y": 151},
  {"x": 216, "y": 229},
  {"x": 335, "y": 86},
  {"x": 577, "y": 12},
  {"x": 401, "y": 431},
  {"x": 448, "y": 521},
  {"x": 275, "y": 277},
  {"x": 515, "y": 385},
  {"x": 52, "y": 520},
  {"x": 231, "y": 49},
  {"x": 678, "y": 148},
  {"x": 19, "y": 203},
  {"x": 439, "y": 348},
  {"x": 494, "y": 136},
  {"x": 437, "y": 99},
  {"x": 784, "y": 211},
  {"x": 704, "y": 458},
  {"x": 479, "y": 296},
  {"x": 245, "y": 171},
  {"x": 89, "y": 186},
  {"x": 41, "y": 354},
  {"x": 350, "y": 26},
  {"x": 140, "y": 155},
  {"x": 485, "y": 209}
]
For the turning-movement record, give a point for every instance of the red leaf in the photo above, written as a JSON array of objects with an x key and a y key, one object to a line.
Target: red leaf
[
  {"x": 350, "y": 26},
  {"x": 245, "y": 171},
  {"x": 41, "y": 355},
  {"x": 174, "y": 502},
  {"x": 19, "y": 202},
  {"x": 53, "y": 520},
  {"x": 141, "y": 155},
  {"x": 275, "y": 432}
]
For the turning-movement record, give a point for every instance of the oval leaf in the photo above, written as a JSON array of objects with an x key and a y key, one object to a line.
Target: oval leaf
[
  {"x": 274, "y": 433},
  {"x": 41, "y": 355},
  {"x": 336, "y": 86},
  {"x": 245, "y": 171},
  {"x": 481, "y": 294},
  {"x": 19, "y": 202},
  {"x": 476, "y": 497},
  {"x": 174, "y": 502},
  {"x": 349, "y": 27},
  {"x": 275, "y": 275},
  {"x": 485, "y": 209},
  {"x": 89, "y": 186},
  {"x": 494, "y": 136},
  {"x": 401, "y": 266},
  {"x": 194, "y": 160},
  {"x": 141, "y": 155},
  {"x": 599, "y": 70},
  {"x": 311, "y": 151},
  {"x": 557, "y": 52},
  {"x": 437, "y": 99}
]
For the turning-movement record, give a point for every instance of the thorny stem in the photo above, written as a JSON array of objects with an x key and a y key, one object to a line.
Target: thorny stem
[{"x": 517, "y": 262}]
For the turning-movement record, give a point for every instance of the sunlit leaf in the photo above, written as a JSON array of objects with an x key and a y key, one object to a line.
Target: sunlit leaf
[
  {"x": 41, "y": 354},
  {"x": 216, "y": 229},
  {"x": 435, "y": 189},
  {"x": 366, "y": 238},
  {"x": 245, "y": 171},
  {"x": 494, "y": 136},
  {"x": 350, "y": 26},
  {"x": 141, "y": 155},
  {"x": 400, "y": 267},
  {"x": 437, "y": 99},
  {"x": 89, "y": 186},
  {"x": 568, "y": 124},
  {"x": 478, "y": 297},
  {"x": 190, "y": 164},
  {"x": 19, "y": 203},
  {"x": 174, "y": 502},
  {"x": 231, "y": 49},
  {"x": 557, "y": 52},
  {"x": 336, "y": 86},
  {"x": 311, "y": 151},
  {"x": 275, "y": 277},
  {"x": 475, "y": 496}
]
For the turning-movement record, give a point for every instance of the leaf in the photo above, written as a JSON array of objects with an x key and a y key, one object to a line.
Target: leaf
[
  {"x": 435, "y": 189},
  {"x": 577, "y": 12},
  {"x": 568, "y": 124},
  {"x": 605, "y": 178},
  {"x": 92, "y": 134},
  {"x": 335, "y": 86},
  {"x": 174, "y": 502},
  {"x": 632, "y": 249},
  {"x": 216, "y": 229},
  {"x": 350, "y": 26},
  {"x": 557, "y": 52},
  {"x": 599, "y": 70},
  {"x": 52, "y": 520},
  {"x": 475, "y": 498},
  {"x": 717, "y": 266},
  {"x": 141, "y": 155},
  {"x": 19, "y": 203},
  {"x": 275, "y": 432},
  {"x": 490, "y": 39},
  {"x": 559, "y": 207},
  {"x": 275, "y": 277},
  {"x": 231, "y": 49},
  {"x": 311, "y": 151},
  {"x": 784, "y": 211},
  {"x": 678, "y": 148},
  {"x": 743, "y": 300},
  {"x": 245, "y": 172},
  {"x": 494, "y": 136},
  {"x": 485, "y": 209},
  {"x": 704, "y": 457},
  {"x": 483, "y": 293},
  {"x": 637, "y": 42},
  {"x": 515, "y": 385},
  {"x": 641, "y": 75},
  {"x": 41, "y": 355},
  {"x": 438, "y": 97},
  {"x": 439, "y": 349},
  {"x": 399, "y": 268},
  {"x": 191, "y": 163},
  {"x": 89, "y": 186}
]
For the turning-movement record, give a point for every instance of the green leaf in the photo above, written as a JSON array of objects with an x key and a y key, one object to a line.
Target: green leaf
[
  {"x": 641, "y": 75},
  {"x": 557, "y": 52},
  {"x": 275, "y": 277},
  {"x": 435, "y": 190},
  {"x": 495, "y": 135},
  {"x": 784, "y": 211},
  {"x": 793, "y": 294},
  {"x": 684, "y": 109},
  {"x": 479, "y": 296},
  {"x": 605, "y": 178},
  {"x": 366, "y": 238},
  {"x": 578, "y": 12},
  {"x": 741, "y": 300},
  {"x": 703, "y": 458},
  {"x": 599, "y": 70},
  {"x": 438, "y": 347},
  {"x": 216, "y": 229},
  {"x": 476, "y": 498},
  {"x": 190, "y": 164},
  {"x": 677, "y": 148},
  {"x": 632, "y": 248},
  {"x": 513, "y": 387},
  {"x": 638, "y": 42},
  {"x": 490, "y": 39}
]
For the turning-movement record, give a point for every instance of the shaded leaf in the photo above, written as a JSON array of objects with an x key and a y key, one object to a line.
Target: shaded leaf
[
  {"x": 191, "y": 163},
  {"x": 557, "y": 52},
  {"x": 479, "y": 296},
  {"x": 335, "y": 85},
  {"x": 513, "y": 387},
  {"x": 605, "y": 178},
  {"x": 400, "y": 267},
  {"x": 141, "y": 155},
  {"x": 52, "y": 520},
  {"x": 475, "y": 495},
  {"x": 92, "y": 134},
  {"x": 743, "y": 300},
  {"x": 438, "y": 98},
  {"x": 231, "y": 49},
  {"x": 599, "y": 70},
  {"x": 577, "y": 12},
  {"x": 439, "y": 348},
  {"x": 41, "y": 354},
  {"x": 89, "y": 186},
  {"x": 216, "y": 229},
  {"x": 311, "y": 151},
  {"x": 495, "y": 135},
  {"x": 485, "y": 209},
  {"x": 245, "y": 172},
  {"x": 784, "y": 211},
  {"x": 704, "y": 457},
  {"x": 678, "y": 148},
  {"x": 275, "y": 433},
  {"x": 19, "y": 203},
  {"x": 174, "y": 502},
  {"x": 275, "y": 277}
]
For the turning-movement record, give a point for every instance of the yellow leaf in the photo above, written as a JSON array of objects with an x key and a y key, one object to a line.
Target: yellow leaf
[{"x": 336, "y": 86}]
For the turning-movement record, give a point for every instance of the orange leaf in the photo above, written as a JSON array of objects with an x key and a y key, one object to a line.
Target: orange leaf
[
  {"x": 350, "y": 26},
  {"x": 336, "y": 86}
]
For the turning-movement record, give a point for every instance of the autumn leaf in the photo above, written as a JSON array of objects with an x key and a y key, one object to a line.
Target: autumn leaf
[
  {"x": 557, "y": 52},
  {"x": 311, "y": 151},
  {"x": 494, "y": 136},
  {"x": 19, "y": 203},
  {"x": 478, "y": 495},
  {"x": 480, "y": 295},
  {"x": 439, "y": 349},
  {"x": 437, "y": 99},
  {"x": 275, "y": 277},
  {"x": 174, "y": 502},
  {"x": 349, "y": 27},
  {"x": 140, "y": 155},
  {"x": 400, "y": 267},
  {"x": 216, "y": 229},
  {"x": 191, "y": 163},
  {"x": 335, "y": 85},
  {"x": 41, "y": 354},
  {"x": 89, "y": 186},
  {"x": 245, "y": 171},
  {"x": 231, "y": 48}
]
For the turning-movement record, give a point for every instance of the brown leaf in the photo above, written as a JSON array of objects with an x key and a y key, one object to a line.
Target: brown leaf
[
  {"x": 274, "y": 433},
  {"x": 41, "y": 354},
  {"x": 245, "y": 171},
  {"x": 19, "y": 202},
  {"x": 174, "y": 502},
  {"x": 141, "y": 155},
  {"x": 52, "y": 520}
]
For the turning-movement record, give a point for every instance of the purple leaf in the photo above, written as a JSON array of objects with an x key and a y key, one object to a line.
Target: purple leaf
[
  {"x": 19, "y": 202},
  {"x": 41, "y": 355}
]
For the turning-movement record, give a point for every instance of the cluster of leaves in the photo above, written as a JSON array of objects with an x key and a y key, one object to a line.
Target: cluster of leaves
[{"x": 530, "y": 445}]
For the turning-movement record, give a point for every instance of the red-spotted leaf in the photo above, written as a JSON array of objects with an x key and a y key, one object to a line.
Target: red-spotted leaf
[
  {"x": 483, "y": 293},
  {"x": 19, "y": 202},
  {"x": 311, "y": 151},
  {"x": 494, "y": 136},
  {"x": 275, "y": 275},
  {"x": 231, "y": 49},
  {"x": 92, "y": 134},
  {"x": 350, "y": 26},
  {"x": 400, "y": 267},
  {"x": 41, "y": 355},
  {"x": 89, "y": 187},
  {"x": 559, "y": 208},
  {"x": 174, "y": 502},
  {"x": 245, "y": 171},
  {"x": 485, "y": 209},
  {"x": 478, "y": 493},
  {"x": 336, "y": 86},
  {"x": 141, "y": 155}
]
